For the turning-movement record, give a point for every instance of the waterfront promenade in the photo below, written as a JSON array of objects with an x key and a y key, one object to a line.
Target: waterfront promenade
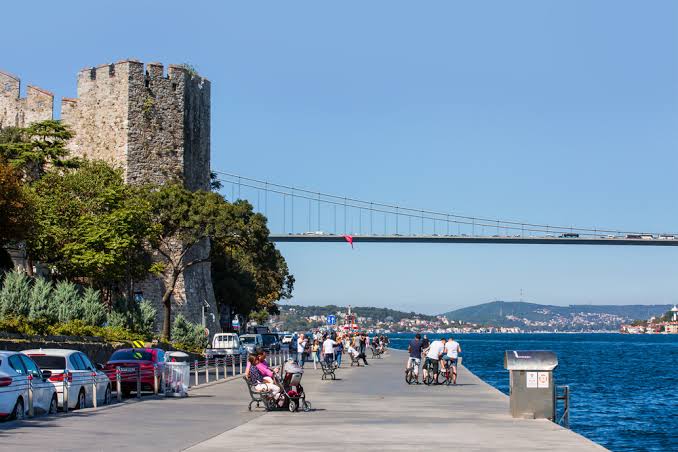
[{"x": 370, "y": 408}]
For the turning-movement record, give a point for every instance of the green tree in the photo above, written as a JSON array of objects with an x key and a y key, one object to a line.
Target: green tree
[
  {"x": 66, "y": 302},
  {"x": 90, "y": 225},
  {"x": 40, "y": 299},
  {"x": 32, "y": 149},
  {"x": 248, "y": 272},
  {"x": 93, "y": 310},
  {"x": 185, "y": 221},
  {"x": 15, "y": 206}
]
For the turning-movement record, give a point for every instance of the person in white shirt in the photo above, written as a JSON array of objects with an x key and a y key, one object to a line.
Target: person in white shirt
[
  {"x": 435, "y": 352},
  {"x": 328, "y": 349},
  {"x": 452, "y": 350},
  {"x": 301, "y": 349}
]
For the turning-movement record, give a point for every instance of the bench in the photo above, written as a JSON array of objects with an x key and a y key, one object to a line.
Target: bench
[
  {"x": 376, "y": 353},
  {"x": 259, "y": 397},
  {"x": 328, "y": 369},
  {"x": 355, "y": 361}
]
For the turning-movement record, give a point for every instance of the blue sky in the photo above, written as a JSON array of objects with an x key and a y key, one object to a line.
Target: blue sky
[{"x": 551, "y": 112}]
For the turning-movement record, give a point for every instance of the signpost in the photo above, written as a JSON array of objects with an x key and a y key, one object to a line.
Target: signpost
[{"x": 331, "y": 319}]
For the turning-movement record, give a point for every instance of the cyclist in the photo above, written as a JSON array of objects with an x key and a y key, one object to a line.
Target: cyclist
[
  {"x": 435, "y": 352},
  {"x": 452, "y": 350},
  {"x": 415, "y": 356}
]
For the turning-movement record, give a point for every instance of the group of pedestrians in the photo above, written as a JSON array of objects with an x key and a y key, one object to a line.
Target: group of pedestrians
[
  {"x": 330, "y": 347},
  {"x": 439, "y": 353}
]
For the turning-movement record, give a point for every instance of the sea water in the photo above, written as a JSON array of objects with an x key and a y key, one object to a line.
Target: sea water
[{"x": 623, "y": 387}]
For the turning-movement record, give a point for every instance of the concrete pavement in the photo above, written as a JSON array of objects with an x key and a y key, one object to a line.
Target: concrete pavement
[
  {"x": 371, "y": 408},
  {"x": 374, "y": 409}
]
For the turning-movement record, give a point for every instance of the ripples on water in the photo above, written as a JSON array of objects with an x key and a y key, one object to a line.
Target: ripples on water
[{"x": 624, "y": 388}]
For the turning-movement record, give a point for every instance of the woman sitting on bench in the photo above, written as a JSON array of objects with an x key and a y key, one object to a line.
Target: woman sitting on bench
[
  {"x": 356, "y": 355},
  {"x": 257, "y": 378}
]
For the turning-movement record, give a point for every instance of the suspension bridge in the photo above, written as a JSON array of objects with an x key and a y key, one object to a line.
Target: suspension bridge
[{"x": 301, "y": 215}]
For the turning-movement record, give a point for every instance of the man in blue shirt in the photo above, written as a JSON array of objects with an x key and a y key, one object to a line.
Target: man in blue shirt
[{"x": 415, "y": 356}]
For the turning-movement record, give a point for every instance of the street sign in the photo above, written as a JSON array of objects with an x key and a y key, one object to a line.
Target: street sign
[
  {"x": 138, "y": 344},
  {"x": 331, "y": 319}
]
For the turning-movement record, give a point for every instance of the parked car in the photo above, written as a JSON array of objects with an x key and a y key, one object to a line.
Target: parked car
[
  {"x": 15, "y": 371},
  {"x": 286, "y": 339},
  {"x": 224, "y": 344},
  {"x": 145, "y": 359},
  {"x": 251, "y": 342},
  {"x": 81, "y": 373},
  {"x": 271, "y": 342}
]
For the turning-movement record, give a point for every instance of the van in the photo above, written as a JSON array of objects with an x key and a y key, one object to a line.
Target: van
[
  {"x": 251, "y": 342},
  {"x": 223, "y": 345}
]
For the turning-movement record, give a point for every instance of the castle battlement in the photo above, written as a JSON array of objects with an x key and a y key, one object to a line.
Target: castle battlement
[{"x": 17, "y": 111}]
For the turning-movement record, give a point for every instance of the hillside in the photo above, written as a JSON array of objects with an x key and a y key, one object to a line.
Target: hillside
[{"x": 537, "y": 316}]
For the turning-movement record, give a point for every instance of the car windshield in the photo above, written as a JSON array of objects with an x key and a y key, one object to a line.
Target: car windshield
[
  {"x": 49, "y": 362},
  {"x": 247, "y": 340},
  {"x": 132, "y": 355},
  {"x": 269, "y": 339}
]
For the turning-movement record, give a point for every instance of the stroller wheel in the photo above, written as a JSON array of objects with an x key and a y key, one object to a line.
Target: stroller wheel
[
  {"x": 307, "y": 406},
  {"x": 292, "y": 406}
]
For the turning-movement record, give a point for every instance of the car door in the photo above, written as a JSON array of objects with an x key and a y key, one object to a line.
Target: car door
[
  {"x": 101, "y": 378},
  {"x": 21, "y": 381},
  {"x": 81, "y": 377},
  {"x": 42, "y": 389}
]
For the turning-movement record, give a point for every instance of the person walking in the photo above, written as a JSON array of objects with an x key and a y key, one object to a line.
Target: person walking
[
  {"x": 301, "y": 349},
  {"x": 362, "y": 344},
  {"x": 339, "y": 350},
  {"x": 315, "y": 350},
  {"x": 328, "y": 350}
]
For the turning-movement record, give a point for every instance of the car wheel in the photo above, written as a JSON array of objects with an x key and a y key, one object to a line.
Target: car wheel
[
  {"x": 107, "y": 396},
  {"x": 53, "y": 405},
  {"x": 82, "y": 401},
  {"x": 19, "y": 412}
]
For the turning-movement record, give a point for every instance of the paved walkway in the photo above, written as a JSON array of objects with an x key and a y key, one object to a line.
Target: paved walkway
[
  {"x": 371, "y": 408},
  {"x": 374, "y": 409}
]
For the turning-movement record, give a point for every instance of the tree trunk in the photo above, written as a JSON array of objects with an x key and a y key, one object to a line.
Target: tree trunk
[{"x": 167, "y": 304}]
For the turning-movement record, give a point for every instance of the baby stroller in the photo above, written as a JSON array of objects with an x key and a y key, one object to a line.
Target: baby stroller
[{"x": 292, "y": 391}]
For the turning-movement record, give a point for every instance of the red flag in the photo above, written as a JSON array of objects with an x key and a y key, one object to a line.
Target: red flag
[{"x": 349, "y": 239}]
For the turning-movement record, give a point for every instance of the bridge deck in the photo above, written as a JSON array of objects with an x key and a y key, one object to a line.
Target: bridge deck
[{"x": 440, "y": 239}]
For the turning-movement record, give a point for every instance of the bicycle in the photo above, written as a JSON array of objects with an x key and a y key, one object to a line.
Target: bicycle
[
  {"x": 431, "y": 373},
  {"x": 410, "y": 375},
  {"x": 450, "y": 367}
]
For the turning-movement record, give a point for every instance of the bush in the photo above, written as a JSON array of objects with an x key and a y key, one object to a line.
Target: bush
[
  {"x": 94, "y": 312},
  {"x": 80, "y": 328},
  {"x": 23, "y": 325},
  {"x": 146, "y": 318},
  {"x": 117, "y": 320},
  {"x": 14, "y": 295},
  {"x": 188, "y": 334},
  {"x": 40, "y": 299},
  {"x": 66, "y": 301}
]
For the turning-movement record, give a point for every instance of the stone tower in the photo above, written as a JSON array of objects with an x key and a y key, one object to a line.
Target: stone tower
[{"x": 155, "y": 126}]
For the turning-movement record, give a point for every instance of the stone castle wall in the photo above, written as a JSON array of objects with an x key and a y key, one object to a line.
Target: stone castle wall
[
  {"x": 15, "y": 111},
  {"x": 155, "y": 126}
]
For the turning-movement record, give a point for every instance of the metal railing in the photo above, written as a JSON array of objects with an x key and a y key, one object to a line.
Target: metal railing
[
  {"x": 214, "y": 369},
  {"x": 563, "y": 394}
]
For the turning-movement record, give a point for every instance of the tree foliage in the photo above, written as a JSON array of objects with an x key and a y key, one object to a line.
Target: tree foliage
[
  {"x": 15, "y": 207},
  {"x": 90, "y": 225},
  {"x": 32, "y": 149},
  {"x": 248, "y": 272}
]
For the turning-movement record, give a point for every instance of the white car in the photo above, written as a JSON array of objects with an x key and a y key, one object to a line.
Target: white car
[
  {"x": 81, "y": 376},
  {"x": 16, "y": 369},
  {"x": 286, "y": 339}
]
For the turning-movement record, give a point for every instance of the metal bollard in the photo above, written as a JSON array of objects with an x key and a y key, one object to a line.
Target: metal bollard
[
  {"x": 207, "y": 371},
  {"x": 118, "y": 384},
  {"x": 233, "y": 367},
  {"x": 138, "y": 383},
  {"x": 195, "y": 371},
  {"x": 156, "y": 381},
  {"x": 94, "y": 390},
  {"x": 216, "y": 368},
  {"x": 65, "y": 391},
  {"x": 225, "y": 364},
  {"x": 30, "y": 396}
]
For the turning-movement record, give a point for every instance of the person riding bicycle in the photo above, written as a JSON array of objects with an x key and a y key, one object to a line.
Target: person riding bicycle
[
  {"x": 415, "y": 356},
  {"x": 452, "y": 350},
  {"x": 435, "y": 352}
]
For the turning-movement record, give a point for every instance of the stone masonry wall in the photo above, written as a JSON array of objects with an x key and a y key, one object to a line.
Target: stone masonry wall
[{"x": 15, "y": 111}]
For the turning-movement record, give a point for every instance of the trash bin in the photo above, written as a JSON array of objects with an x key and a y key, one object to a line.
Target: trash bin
[
  {"x": 176, "y": 378},
  {"x": 533, "y": 391}
]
